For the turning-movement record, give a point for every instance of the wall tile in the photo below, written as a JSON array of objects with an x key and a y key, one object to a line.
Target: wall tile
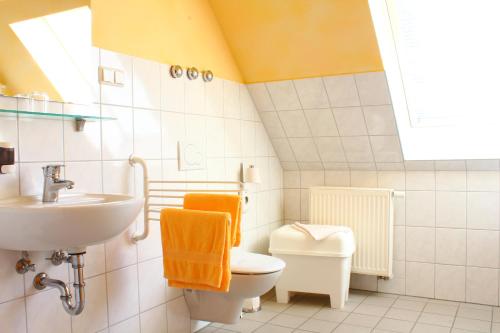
[
  {"x": 292, "y": 204},
  {"x": 87, "y": 176},
  {"x": 312, "y": 93},
  {"x": 261, "y": 96},
  {"x": 451, "y": 246},
  {"x": 420, "y": 279},
  {"x": 483, "y": 181},
  {"x": 8, "y": 276},
  {"x": 482, "y": 248},
  {"x": 342, "y": 90},
  {"x": 151, "y": 284},
  {"x": 42, "y": 308},
  {"x": 84, "y": 145},
  {"x": 483, "y": 210},
  {"x": 131, "y": 325},
  {"x": 357, "y": 149},
  {"x": 420, "y": 208},
  {"x": 451, "y": 209},
  {"x": 283, "y": 95},
  {"x": 173, "y": 92},
  {"x": 451, "y": 181},
  {"x": 41, "y": 139},
  {"x": 450, "y": 283},
  {"x": 13, "y": 316},
  {"x": 482, "y": 285},
  {"x": 337, "y": 178},
  {"x": 304, "y": 149},
  {"x": 386, "y": 149},
  {"x": 122, "y": 128},
  {"x": 154, "y": 320},
  {"x": 146, "y": 84},
  {"x": 232, "y": 138},
  {"x": 178, "y": 309},
  {"x": 273, "y": 124},
  {"x": 420, "y": 180},
  {"x": 122, "y": 302},
  {"x": 147, "y": 133},
  {"x": 350, "y": 121},
  {"x": 372, "y": 88},
  {"x": 231, "y": 100},
  {"x": 247, "y": 107},
  {"x": 321, "y": 122},
  {"x": 330, "y": 149},
  {"x": 420, "y": 244},
  {"x": 95, "y": 315},
  {"x": 380, "y": 120},
  {"x": 194, "y": 98},
  {"x": 214, "y": 98},
  {"x": 215, "y": 146},
  {"x": 173, "y": 130},
  {"x": 294, "y": 124}
]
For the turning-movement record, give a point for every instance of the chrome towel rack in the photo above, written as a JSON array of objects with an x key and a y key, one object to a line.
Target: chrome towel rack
[{"x": 159, "y": 194}]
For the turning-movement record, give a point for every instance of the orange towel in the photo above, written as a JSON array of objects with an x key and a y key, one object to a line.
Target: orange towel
[
  {"x": 218, "y": 203},
  {"x": 196, "y": 249}
]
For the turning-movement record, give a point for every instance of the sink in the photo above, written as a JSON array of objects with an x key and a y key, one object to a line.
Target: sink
[{"x": 73, "y": 223}]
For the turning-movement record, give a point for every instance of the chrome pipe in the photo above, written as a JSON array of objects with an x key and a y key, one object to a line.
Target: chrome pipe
[{"x": 72, "y": 306}]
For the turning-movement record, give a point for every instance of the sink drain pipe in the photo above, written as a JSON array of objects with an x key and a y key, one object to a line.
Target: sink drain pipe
[{"x": 73, "y": 307}]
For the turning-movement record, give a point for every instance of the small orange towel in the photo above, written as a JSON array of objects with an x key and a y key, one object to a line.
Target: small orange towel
[
  {"x": 218, "y": 203},
  {"x": 196, "y": 249}
]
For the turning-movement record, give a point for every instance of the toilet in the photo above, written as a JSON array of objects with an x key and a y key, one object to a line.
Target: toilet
[{"x": 252, "y": 275}]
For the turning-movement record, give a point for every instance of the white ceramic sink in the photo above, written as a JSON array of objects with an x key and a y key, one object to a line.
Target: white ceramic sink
[{"x": 72, "y": 223}]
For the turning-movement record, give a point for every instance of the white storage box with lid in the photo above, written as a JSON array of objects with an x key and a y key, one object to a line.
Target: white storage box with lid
[{"x": 314, "y": 266}]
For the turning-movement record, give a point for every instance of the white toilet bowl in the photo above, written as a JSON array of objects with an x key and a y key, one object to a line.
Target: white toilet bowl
[{"x": 252, "y": 276}]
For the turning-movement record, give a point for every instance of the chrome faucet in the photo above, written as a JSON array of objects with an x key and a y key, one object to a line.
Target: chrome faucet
[{"x": 52, "y": 184}]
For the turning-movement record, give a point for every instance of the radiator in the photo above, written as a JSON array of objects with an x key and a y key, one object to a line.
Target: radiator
[{"x": 369, "y": 212}]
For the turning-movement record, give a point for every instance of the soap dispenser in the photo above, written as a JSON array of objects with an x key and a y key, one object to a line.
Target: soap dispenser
[{"x": 6, "y": 158}]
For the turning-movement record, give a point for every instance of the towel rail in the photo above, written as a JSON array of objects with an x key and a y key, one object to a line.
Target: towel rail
[{"x": 164, "y": 193}]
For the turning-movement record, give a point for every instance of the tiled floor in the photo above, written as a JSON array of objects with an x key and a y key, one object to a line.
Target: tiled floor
[{"x": 366, "y": 312}]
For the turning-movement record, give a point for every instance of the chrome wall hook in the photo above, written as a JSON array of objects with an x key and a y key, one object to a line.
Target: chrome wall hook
[
  {"x": 192, "y": 73},
  {"x": 176, "y": 71},
  {"x": 207, "y": 75},
  {"x": 24, "y": 264}
]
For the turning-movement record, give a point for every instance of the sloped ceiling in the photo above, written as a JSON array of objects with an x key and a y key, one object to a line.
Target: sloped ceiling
[{"x": 275, "y": 40}]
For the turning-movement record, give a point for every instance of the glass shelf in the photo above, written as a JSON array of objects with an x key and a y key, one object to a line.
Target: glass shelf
[
  {"x": 78, "y": 118},
  {"x": 57, "y": 115}
]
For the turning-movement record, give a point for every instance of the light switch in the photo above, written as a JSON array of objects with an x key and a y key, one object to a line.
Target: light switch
[{"x": 107, "y": 75}]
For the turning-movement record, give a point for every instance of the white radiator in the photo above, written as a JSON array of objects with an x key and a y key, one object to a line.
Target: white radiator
[{"x": 369, "y": 212}]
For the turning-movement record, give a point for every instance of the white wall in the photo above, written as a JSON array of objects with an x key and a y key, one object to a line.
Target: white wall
[
  {"x": 446, "y": 234},
  {"x": 125, "y": 287}
]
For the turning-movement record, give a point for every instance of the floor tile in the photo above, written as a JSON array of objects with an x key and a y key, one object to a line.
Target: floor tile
[
  {"x": 320, "y": 326},
  {"x": 401, "y": 314},
  {"x": 372, "y": 310},
  {"x": 292, "y": 321},
  {"x": 474, "y": 312},
  {"x": 302, "y": 310},
  {"x": 331, "y": 315},
  {"x": 472, "y": 325},
  {"x": 275, "y": 307},
  {"x": 495, "y": 328},
  {"x": 436, "y": 319},
  {"x": 273, "y": 329},
  {"x": 426, "y": 328},
  {"x": 362, "y": 320},
  {"x": 409, "y": 304},
  {"x": 442, "y": 309},
  {"x": 263, "y": 316},
  {"x": 243, "y": 326},
  {"x": 346, "y": 328},
  {"x": 395, "y": 325}
]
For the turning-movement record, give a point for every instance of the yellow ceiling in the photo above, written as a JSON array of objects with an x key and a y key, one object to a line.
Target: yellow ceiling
[
  {"x": 289, "y": 39},
  {"x": 18, "y": 70}
]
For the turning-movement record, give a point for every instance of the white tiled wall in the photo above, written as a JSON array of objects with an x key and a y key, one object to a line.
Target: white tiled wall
[
  {"x": 446, "y": 233},
  {"x": 342, "y": 122},
  {"x": 126, "y": 291}
]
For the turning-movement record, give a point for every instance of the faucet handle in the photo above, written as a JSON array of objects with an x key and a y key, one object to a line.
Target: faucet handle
[{"x": 52, "y": 170}]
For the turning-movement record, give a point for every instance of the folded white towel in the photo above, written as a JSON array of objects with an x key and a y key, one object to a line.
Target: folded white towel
[{"x": 319, "y": 231}]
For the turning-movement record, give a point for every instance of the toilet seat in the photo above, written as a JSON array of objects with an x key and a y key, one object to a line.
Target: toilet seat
[{"x": 252, "y": 263}]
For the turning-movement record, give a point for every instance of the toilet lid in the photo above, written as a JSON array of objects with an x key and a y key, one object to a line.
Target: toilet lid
[{"x": 252, "y": 263}]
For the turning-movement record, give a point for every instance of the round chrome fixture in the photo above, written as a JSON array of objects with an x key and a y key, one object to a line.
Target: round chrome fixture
[
  {"x": 192, "y": 73},
  {"x": 176, "y": 71},
  {"x": 207, "y": 76}
]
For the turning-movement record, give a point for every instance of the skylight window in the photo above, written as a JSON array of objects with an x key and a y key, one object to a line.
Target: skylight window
[
  {"x": 442, "y": 63},
  {"x": 60, "y": 44}
]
